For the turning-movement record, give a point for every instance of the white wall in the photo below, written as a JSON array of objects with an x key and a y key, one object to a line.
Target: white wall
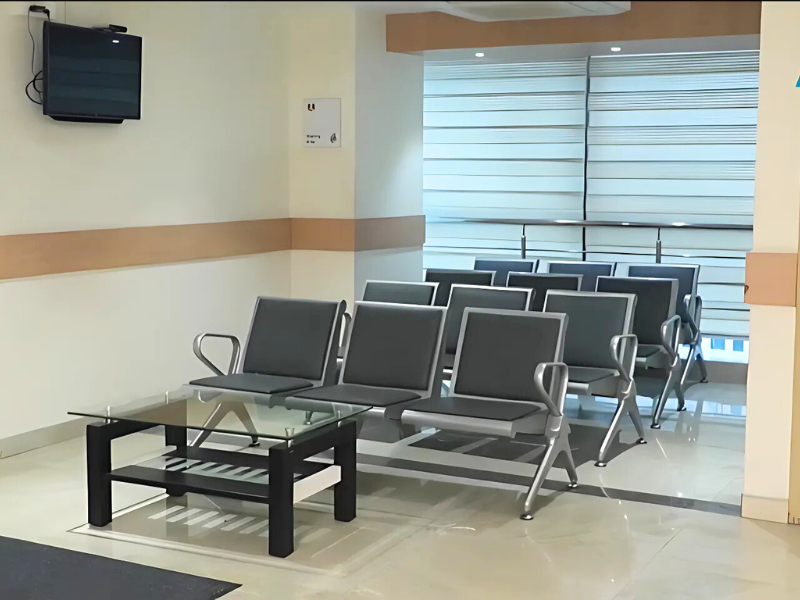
[
  {"x": 211, "y": 146},
  {"x": 83, "y": 339},
  {"x": 321, "y": 52},
  {"x": 388, "y": 158},
  {"x": 388, "y": 124},
  {"x": 338, "y": 50}
]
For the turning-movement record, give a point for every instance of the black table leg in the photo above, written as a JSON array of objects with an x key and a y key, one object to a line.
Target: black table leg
[
  {"x": 344, "y": 492},
  {"x": 98, "y": 466},
  {"x": 175, "y": 436},
  {"x": 281, "y": 501}
]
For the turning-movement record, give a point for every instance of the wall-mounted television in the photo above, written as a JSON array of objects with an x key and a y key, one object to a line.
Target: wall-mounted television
[{"x": 91, "y": 75}]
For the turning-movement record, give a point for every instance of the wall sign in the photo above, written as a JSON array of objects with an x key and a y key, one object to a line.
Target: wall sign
[{"x": 322, "y": 122}]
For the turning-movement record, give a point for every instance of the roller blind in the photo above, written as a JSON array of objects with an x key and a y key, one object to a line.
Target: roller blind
[
  {"x": 672, "y": 138},
  {"x": 502, "y": 141}
]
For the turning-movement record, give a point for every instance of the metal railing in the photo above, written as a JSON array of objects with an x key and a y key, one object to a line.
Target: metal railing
[
  {"x": 658, "y": 250},
  {"x": 729, "y": 258}
]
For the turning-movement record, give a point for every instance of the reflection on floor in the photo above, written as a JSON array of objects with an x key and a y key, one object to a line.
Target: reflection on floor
[{"x": 447, "y": 533}]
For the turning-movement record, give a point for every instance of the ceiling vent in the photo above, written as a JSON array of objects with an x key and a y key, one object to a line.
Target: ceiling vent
[{"x": 517, "y": 11}]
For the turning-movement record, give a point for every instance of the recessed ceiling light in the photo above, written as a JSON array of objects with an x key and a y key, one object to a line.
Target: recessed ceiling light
[
  {"x": 115, "y": 41},
  {"x": 479, "y": 54},
  {"x": 615, "y": 48}
]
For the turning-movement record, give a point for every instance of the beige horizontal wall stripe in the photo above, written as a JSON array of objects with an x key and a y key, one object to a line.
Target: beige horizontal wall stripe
[
  {"x": 68, "y": 251},
  {"x": 390, "y": 232},
  {"x": 771, "y": 278},
  {"x": 355, "y": 235},
  {"x": 649, "y": 20},
  {"x": 36, "y": 254},
  {"x": 324, "y": 234}
]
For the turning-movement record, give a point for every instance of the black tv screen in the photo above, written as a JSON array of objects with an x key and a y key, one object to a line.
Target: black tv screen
[{"x": 91, "y": 75}]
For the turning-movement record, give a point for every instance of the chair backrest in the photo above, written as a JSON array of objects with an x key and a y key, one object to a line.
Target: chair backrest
[
  {"x": 590, "y": 271},
  {"x": 447, "y": 277},
  {"x": 400, "y": 292},
  {"x": 465, "y": 296},
  {"x": 394, "y": 346},
  {"x": 594, "y": 318},
  {"x": 294, "y": 338},
  {"x": 541, "y": 282},
  {"x": 499, "y": 350},
  {"x": 502, "y": 268},
  {"x": 687, "y": 276},
  {"x": 655, "y": 302}
]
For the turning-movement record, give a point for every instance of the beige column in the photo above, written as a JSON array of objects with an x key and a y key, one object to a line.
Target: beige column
[
  {"x": 772, "y": 389},
  {"x": 356, "y": 210}
]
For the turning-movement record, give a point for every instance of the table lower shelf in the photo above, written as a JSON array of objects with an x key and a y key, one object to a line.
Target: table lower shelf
[{"x": 237, "y": 475}]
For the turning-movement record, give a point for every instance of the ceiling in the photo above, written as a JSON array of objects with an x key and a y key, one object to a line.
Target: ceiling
[
  {"x": 508, "y": 54},
  {"x": 502, "y": 10}
]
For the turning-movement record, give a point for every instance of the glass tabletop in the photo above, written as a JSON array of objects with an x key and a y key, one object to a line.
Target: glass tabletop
[{"x": 239, "y": 413}]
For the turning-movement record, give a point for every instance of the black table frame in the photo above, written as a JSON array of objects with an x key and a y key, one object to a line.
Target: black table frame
[{"x": 284, "y": 460}]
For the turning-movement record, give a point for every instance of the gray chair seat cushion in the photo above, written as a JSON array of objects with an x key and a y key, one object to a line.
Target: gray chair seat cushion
[
  {"x": 589, "y": 374},
  {"x": 458, "y": 406},
  {"x": 646, "y": 350},
  {"x": 448, "y": 361},
  {"x": 254, "y": 382},
  {"x": 596, "y": 381},
  {"x": 359, "y": 394}
]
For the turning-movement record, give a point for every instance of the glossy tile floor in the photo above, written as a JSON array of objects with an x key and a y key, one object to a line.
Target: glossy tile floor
[{"x": 436, "y": 535}]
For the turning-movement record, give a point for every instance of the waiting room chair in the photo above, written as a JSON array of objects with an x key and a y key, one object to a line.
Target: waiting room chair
[
  {"x": 392, "y": 357},
  {"x": 291, "y": 346},
  {"x": 475, "y": 296},
  {"x": 539, "y": 283},
  {"x": 690, "y": 308},
  {"x": 400, "y": 292},
  {"x": 509, "y": 379},
  {"x": 600, "y": 350},
  {"x": 393, "y": 292},
  {"x": 590, "y": 271},
  {"x": 657, "y": 327},
  {"x": 502, "y": 268},
  {"x": 447, "y": 277}
]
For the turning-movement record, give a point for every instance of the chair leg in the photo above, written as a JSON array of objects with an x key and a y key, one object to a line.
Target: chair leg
[
  {"x": 673, "y": 383},
  {"x": 701, "y": 362},
  {"x": 633, "y": 409},
  {"x": 571, "y": 470},
  {"x": 244, "y": 416},
  {"x": 212, "y": 421},
  {"x": 216, "y": 418},
  {"x": 622, "y": 410},
  {"x": 690, "y": 360},
  {"x": 538, "y": 480}
]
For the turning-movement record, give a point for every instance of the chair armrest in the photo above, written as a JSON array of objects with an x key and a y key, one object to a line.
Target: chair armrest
[
  {"x": 560, "y": 378},
  {"x": 236, "y": 347},
  {"x": 348, "y": 323},
  {"x": 694, "y": 315},
  {"x": 625, "y": 364},
  {"x": 671, "y": 335}
]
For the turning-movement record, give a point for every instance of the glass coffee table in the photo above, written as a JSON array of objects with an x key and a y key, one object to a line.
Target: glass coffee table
[{"x": 301, "y": 429}]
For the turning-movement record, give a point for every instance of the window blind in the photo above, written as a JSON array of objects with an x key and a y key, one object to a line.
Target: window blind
[
  {"x": 502, "y": 141},
  {"x": 672, "y": 138}
]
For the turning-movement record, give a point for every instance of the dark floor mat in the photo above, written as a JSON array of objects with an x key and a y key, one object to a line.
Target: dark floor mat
[{"x": 31, "y": 571}]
